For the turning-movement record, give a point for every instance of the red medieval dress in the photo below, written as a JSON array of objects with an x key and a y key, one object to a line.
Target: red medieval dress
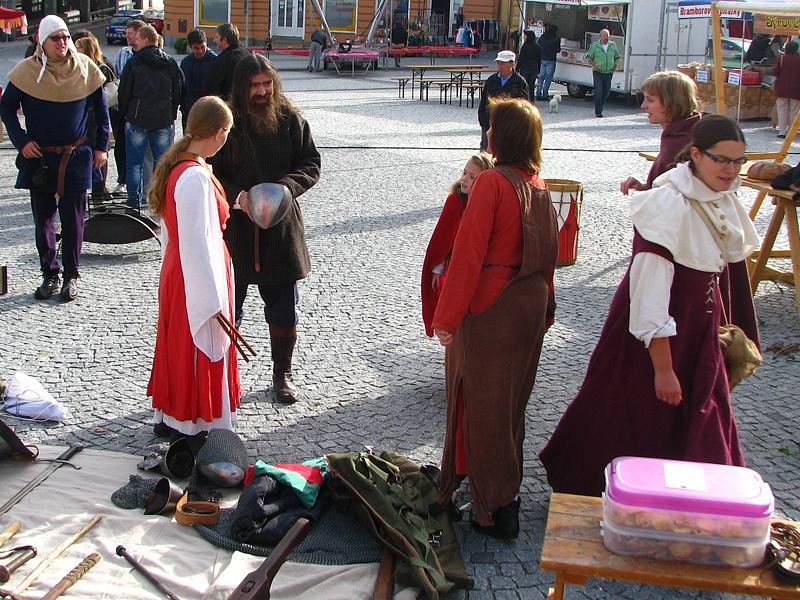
[
  {"x": 195, "y": 378},
  {"x": 495, "y": 301},
  {"x": 439, "y": 250}
]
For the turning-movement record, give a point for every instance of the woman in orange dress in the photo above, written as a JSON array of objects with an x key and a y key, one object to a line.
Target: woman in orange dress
[
  {"x": 195, "y": 379},
  {"x": 491, "y": 316}
]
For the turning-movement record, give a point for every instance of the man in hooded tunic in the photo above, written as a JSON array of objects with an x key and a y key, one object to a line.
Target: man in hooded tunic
[{"x": 55, "y": 88}]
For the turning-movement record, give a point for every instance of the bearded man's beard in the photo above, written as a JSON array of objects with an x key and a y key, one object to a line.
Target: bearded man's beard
[{"x": 262, "y": 111}]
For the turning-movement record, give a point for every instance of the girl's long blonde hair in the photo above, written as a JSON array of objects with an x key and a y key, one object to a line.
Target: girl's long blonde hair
[
  {"x": 207, "y": 117},
  {"x": 483, "y": 160}
]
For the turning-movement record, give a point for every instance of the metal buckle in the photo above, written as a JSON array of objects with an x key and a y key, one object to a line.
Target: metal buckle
[{"x": 435, "y": 538}]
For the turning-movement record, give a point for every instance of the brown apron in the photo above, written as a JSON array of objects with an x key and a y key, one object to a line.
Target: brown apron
[{"x": 493, "y": 362}]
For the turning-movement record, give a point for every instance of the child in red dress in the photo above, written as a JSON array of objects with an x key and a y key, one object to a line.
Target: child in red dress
[{"x": 440, "y": 247}]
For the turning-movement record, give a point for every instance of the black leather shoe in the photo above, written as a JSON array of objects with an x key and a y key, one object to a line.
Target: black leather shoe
[
  {"x": 506, "y": 523},
  {"x": 284, "y": 389},
  {"x": 69, "y": 291},
  {"x": 48, "y": 288}
]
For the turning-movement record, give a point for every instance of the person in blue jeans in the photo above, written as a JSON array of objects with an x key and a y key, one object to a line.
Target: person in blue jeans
[
  {"x": 603, "y": 55},
  {"x": 150, "y": 91},
  {"x": 550, "y": 46}
]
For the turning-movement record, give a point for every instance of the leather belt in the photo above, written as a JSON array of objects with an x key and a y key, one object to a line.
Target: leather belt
[
  {"x": 65, "y": 152},
  {"x": 196, "y": 512}
]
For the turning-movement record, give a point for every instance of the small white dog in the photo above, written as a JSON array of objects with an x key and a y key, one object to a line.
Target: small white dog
[{"x": 554, "y": 102}]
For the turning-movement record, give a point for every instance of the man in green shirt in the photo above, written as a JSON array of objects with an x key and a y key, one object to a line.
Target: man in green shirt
[{"x": 603, "y": 56}]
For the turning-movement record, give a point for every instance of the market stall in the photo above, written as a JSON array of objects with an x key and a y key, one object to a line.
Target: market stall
[
  {"x": 13, "y": 19},
  {"x": 646, "y": 35},
  {"x": 746, "y": 92}
]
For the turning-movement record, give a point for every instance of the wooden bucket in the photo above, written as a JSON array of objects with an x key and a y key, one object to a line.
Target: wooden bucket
[{"x": 567, "y": 198}]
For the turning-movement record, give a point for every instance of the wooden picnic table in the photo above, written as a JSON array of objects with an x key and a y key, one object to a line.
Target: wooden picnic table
[
  {"x": 573, "y": 548},
  {"x": 457, "y": 74}
]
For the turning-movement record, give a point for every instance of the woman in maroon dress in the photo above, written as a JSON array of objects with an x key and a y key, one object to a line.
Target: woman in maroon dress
[
  {"x": 670, "y": 100},
  {"x": 656, "y": 385}
]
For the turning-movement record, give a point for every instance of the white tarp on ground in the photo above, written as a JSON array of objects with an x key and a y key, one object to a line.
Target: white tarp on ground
[
  {"x": 187, "y": 565},
  {"x": 771, "y": 7}
]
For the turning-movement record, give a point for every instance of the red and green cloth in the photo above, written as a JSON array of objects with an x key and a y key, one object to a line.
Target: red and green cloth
[{"x": 304, "y": 478}]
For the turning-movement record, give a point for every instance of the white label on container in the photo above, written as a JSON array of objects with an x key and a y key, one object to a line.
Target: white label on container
[
  {"x": 702, "y": 76},
  {"x": 684, "y": 477}
]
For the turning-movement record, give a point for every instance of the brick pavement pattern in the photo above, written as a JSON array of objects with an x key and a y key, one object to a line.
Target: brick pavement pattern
[{"x": 368, "y": 374}]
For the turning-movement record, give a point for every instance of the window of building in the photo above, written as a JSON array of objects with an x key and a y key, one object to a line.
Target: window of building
[
  {"x": 341, "y": 15},
  {"x": 213, "y": 12}
]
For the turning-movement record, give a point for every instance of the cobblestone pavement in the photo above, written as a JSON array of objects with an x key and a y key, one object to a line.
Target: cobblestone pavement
[{"x": 366, "y": 370}]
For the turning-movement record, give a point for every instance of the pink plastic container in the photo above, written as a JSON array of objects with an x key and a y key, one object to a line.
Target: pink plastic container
[{"x": 697, "y": 512}]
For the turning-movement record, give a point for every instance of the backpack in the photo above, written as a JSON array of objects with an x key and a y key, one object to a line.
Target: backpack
[{"x": 392, "y": 494}]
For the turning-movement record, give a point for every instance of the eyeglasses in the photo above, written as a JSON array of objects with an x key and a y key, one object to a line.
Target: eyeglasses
[
  {"x": 59, "y": 38},
  {"x": 724, "y": 160}
]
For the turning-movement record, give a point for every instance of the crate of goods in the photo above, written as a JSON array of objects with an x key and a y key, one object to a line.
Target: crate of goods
[
  {"x": 743, "y": 77},
  {"x": 694, "y": 512}
]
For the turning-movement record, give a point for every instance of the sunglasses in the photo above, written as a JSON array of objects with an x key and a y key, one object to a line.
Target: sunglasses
[
  {"x": 724, "y": 160},
  {"x": 59, "y": 38}
]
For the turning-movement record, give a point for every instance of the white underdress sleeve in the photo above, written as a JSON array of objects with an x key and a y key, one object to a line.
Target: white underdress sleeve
[
  {"x": 650, "y": 283},
  {"x": 202, "y": 260}
]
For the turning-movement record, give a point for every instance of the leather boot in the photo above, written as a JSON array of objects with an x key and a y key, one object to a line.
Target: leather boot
[
  {"x": 506, "y": 522},
  {"x": 282, "y": 343}
]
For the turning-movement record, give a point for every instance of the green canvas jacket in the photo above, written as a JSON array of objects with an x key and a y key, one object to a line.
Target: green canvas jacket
[{"x": 607, "y": 59}]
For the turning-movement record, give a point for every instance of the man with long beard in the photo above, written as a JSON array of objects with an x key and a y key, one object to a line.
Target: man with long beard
[{"x": 270, "y": 143}]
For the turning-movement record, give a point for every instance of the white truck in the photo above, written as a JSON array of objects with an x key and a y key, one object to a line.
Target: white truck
[{"x": 651, "y": 35}]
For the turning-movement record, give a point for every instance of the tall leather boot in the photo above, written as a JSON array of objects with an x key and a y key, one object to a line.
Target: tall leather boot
[{"x": 282, "y": 342}]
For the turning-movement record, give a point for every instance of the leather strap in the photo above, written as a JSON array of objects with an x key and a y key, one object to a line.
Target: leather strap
[
  {"x": 384, "y": 584},
  {"x": 65, "y": 152},
  {"x": 717, "y": 240},
  {"x": 196, "y": 512}
]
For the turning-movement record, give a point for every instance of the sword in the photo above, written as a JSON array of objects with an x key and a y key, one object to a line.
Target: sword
[{"x": 36, "y": 481}]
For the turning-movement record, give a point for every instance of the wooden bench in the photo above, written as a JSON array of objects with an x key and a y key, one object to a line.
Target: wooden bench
[
  {"x": 443, "y": 83},
  {"x": 471, "y": 89},
  {"x": 574, "y": 550},
  {"x": 401, "y": 85}
]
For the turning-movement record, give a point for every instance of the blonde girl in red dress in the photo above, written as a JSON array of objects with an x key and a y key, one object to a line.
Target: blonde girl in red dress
[
  {"x": 195, "y": 379},
  {"x": 444, "y": 234}
]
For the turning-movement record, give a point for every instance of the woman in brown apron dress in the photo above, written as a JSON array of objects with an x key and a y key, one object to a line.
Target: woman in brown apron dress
[{"x": 494, "y": 309}]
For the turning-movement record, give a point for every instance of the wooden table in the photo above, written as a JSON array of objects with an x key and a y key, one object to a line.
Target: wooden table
[
  {"x": 785, "y": 206},
  {"x": 418, "y": 71},
  {"x": 458, "y": 74},
  {"x": 574, "y": 549}
]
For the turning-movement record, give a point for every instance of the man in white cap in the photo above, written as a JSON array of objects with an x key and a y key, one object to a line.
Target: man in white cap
[
  {"x": 55, "y": 88},
  {"x": 506, "y": 83}
]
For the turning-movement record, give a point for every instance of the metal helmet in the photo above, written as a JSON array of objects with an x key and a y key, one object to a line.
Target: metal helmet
[{"x": 268, "y": 203}]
